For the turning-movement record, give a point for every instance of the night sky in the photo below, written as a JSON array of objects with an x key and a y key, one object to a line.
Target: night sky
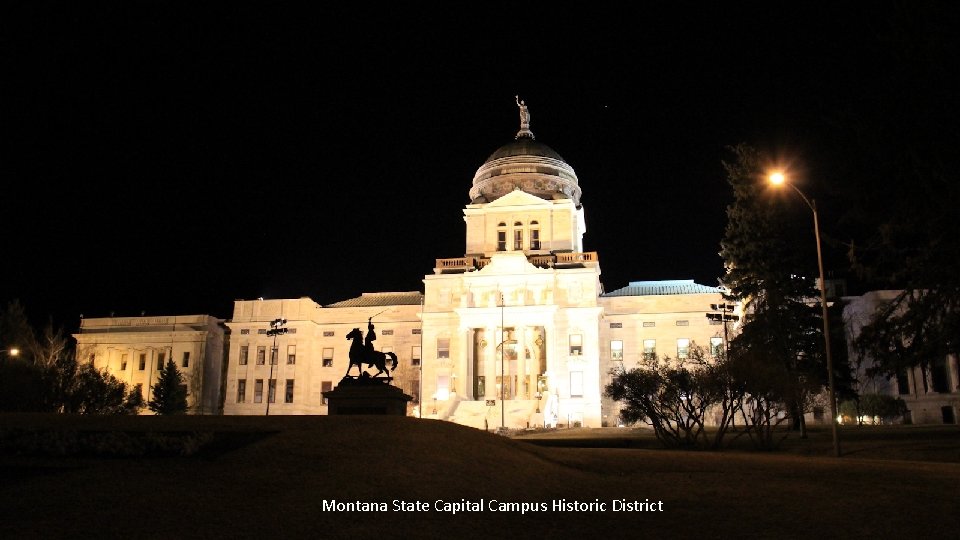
[{"x": 169, "y": 158}]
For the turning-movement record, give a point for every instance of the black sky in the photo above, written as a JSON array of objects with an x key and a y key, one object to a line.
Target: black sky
[{"x": 169, "y": 158}]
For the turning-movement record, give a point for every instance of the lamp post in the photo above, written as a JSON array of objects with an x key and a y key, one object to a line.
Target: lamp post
[
  {"x": 503, "y": 380},
  {"x": 778, "y": 179},
  {"x": 503, "y": 340},
  {"x": 276, "y": 328},
  {"x": 725, "y": 316}
]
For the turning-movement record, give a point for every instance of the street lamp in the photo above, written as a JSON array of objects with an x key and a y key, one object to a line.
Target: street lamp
[
  {"x": 777, "y": 178},
  {"x": 12, "y": 352},
  {"x": 725, "y": 316},
  {"x": 276, "y": 328}
]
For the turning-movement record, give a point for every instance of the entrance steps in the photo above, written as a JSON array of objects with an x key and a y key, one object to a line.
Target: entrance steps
[{"x": 517, "y": 414}]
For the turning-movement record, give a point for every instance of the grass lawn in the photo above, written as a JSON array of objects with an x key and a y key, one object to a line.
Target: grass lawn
[{"x": 270, "y": 477}]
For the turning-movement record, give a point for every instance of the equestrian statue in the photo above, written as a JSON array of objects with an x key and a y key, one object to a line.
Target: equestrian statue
[{"x": 362, "y": 352}]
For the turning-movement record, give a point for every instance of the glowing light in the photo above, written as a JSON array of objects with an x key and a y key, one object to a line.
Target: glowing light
[{"x": 777, "y": 178}]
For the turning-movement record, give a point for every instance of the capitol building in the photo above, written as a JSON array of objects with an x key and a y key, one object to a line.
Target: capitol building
[{"x": 517, "y": 331}]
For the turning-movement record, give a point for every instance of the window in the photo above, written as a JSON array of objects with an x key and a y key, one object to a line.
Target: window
[
  {"x": 244, "y": 331},
  {"x": 576, "y": 384},
  {"x": 241, "y": 391},
  {"x": 274, "y": 353},
  {"x": 940, "y": 375},
  {"x": 443, "y": 347},
  {"x": 327, "y": 333},
  {"x": 262, "y": 331},
  {"x": 502, "y": 237},
  {"x": 328, "y": 357},
  {"x": 683, "y": 348},
  {"x": 387, "y": 332},
  {"x": 534, "y": 235},
  {"x": 161, "y": 357},
  {"x": 272, "y": 391},
  {"x": 258, "y": 391},
  {"x": 123, "y": 362},
  {"x": 415, "y": 356},
  {"x": 576, "y": 344},
  {"x": 415, "y": 331},
  {"x": 649, "y": 324},
  {"x": 649, "y": 349},
  {"x": 683, "y": 323},
  {"x": 291, "y": 354},
  {"x": 903, "y": 386},
  {"x": 261, "y": 355},
  {"x": 244, "y": 352},
  {"x": 143, "y": 361},
  {"x": 291, "y": 330},
  {"x": 716, "y": 346},
  {"x": 288, "y": 394},
  {"x": 616, "y": 325},
  {"x": 186, "y": 359},
  {"x": 517, "y": 239},
  {"x": 616, "y": 351},
  {"x": 325, "y": 386}
]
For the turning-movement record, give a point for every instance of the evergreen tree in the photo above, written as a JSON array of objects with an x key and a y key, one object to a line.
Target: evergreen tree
[
  {"x": 778, "y": 355},
  {"x": 170, "y": 393}
]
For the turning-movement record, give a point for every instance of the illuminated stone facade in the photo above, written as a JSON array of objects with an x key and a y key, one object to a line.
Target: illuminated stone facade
[
  {"x": 133, "y": 349},
  {"x": 516, "y": 332},
  {"x": 312, "y": 356},
  {"x": 932, "y": 396}
]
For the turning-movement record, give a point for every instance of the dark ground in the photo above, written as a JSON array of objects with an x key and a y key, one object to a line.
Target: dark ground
[{"x": 269, "y": 477}]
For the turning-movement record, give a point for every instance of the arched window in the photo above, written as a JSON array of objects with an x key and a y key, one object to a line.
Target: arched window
[
  {"x": 501, "y": 236},
  {"x": 534, "y": 235},
  {"x": 517, "y": 236}
]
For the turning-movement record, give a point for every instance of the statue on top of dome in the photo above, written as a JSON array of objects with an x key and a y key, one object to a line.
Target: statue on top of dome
[{"x": 524, "y": 119}]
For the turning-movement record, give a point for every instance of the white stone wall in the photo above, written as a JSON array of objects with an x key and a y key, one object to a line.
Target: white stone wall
[
  {"x": 926, "y": 405},
  {"x": 663, "y": 318},
  {"x": 318, "y": 330},
  {"x": 111, "y": 341}
]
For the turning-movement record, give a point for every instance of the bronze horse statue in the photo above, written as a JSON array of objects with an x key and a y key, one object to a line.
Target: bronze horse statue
[{"x": 359, "y": 355}]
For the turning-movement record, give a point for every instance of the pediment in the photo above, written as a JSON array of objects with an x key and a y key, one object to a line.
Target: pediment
[{"x": 518, "y": 197}]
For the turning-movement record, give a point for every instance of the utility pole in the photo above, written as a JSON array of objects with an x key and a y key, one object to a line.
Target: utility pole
[{"x": 277, "y": 327}]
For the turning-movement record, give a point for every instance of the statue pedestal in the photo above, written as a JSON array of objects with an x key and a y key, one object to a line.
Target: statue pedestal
[{"x": 366, "y": 396}]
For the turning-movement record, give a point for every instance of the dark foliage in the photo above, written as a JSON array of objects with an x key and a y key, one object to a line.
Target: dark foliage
[
  {"x": 170, "y": 393},
  {"x": 678, "y": 398}
]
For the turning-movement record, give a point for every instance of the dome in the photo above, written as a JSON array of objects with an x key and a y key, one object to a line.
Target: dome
[
  {"x": 528, "y": 165},
  {"x": 524, "y": 146}
]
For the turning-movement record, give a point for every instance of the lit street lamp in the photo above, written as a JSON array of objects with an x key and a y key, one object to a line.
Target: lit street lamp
[
  {"x": 778, "y": 179},
  {"x": 276, "y": 328},
  {"x": 12, "y": 352}
]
